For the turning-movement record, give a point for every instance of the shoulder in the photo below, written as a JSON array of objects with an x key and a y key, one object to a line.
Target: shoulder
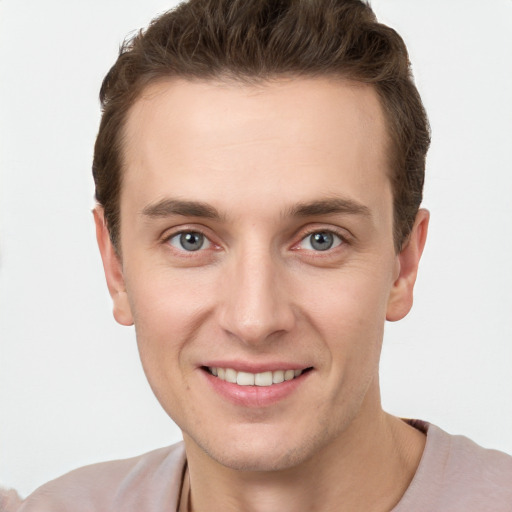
[
  {"x": 149, "y": 482},
  {"x": 9, "y": 500},
  {"x": 481, "y": 473},
  {"x": 457, "y": 474}
]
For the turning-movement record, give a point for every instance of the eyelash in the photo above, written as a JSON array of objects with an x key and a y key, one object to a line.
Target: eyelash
[
  {"x": 318, "y": 253},
  {"x": 168, "y": 238},
  {"x": 313, "y": 231}
]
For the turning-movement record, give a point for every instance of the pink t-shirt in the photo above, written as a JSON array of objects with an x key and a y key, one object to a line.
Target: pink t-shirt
[{"x": 454, "y": 475}]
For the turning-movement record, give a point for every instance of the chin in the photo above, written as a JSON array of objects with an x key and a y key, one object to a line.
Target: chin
[
  {"x": 250, "y": 460},
  {"x": 261, "y": 452}
]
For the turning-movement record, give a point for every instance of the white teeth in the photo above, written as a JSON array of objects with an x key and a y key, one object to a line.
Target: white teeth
[
  {"x": 230, "y": 375},
  {"x": 289, "y": 375},
  {"x": 278, "y": 377},
  {"x": 245, "y": 379},
  {"x": 263, "y": 379},
  {"x": 254, "y": 379}
]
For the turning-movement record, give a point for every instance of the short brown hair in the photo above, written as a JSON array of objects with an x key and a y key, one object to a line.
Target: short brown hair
[{"x": 257, "y": 40}]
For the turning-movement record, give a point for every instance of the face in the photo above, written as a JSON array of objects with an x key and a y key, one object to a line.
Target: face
[{"x": 258, "y": 262}]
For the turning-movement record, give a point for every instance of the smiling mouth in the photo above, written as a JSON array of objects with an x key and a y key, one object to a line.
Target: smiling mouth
[{"x": 264, "y": 379}]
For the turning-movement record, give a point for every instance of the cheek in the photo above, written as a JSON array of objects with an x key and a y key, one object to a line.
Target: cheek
[
  {"x": 168, "y": 311},
  {"x": 350, "y": 315},
  {"x": 352, "y": 299},
  {"x": 167, "y": 316},
  {"x": 164, "y": 299}
]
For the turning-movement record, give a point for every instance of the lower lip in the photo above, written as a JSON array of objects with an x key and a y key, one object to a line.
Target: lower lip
[{"x": 255, "y": 396}]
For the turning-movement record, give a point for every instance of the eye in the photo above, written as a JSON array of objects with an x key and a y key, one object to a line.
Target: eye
[
  {"x": 189, "y": 241},
  {"x": 320, "y": 241}
]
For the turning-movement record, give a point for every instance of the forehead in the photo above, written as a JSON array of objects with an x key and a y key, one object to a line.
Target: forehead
[{"x": 282, "y": 140}]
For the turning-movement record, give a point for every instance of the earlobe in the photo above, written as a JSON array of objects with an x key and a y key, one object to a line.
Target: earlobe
[
  {"x": 401, "y": 296},
  {"x": 113, "y": 270}
]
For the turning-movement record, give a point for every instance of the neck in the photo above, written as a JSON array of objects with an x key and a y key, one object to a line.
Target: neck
[{"x": 368, "y": 468}]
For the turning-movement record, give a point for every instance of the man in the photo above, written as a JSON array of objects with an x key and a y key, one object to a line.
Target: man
[
  {"x": 9, "y": 500},
  {"x": 259, "y": 170}
]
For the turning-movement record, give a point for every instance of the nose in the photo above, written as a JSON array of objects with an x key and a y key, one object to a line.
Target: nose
[{"x": 255, "y": 305}]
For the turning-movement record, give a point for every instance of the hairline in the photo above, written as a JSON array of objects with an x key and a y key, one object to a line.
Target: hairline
[{"x": 230, "y": 78}]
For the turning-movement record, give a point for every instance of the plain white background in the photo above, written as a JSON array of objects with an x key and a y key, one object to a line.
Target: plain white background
[{"x": 71, "y": 388}]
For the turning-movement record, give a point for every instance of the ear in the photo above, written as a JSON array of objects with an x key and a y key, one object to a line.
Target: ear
[
  {"x": 401, "y": 296},
  {"x": 113, "y": 270}
]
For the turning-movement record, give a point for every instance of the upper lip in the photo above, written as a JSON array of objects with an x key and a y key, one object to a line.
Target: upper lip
[{"x": 252, "y": 367}]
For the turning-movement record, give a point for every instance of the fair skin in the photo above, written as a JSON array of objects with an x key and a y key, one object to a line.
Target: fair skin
[{"x": 256, "y": 237}]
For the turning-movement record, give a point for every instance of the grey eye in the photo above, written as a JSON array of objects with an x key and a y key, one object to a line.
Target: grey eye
[
  {"x": 189, "y": 241},
  {"x": 320, "y": 241}
]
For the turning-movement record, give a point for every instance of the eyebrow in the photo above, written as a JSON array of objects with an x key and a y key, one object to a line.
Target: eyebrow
[
  {"x": 169, "y": 207},
  {"x": 329, "y": 206}
]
